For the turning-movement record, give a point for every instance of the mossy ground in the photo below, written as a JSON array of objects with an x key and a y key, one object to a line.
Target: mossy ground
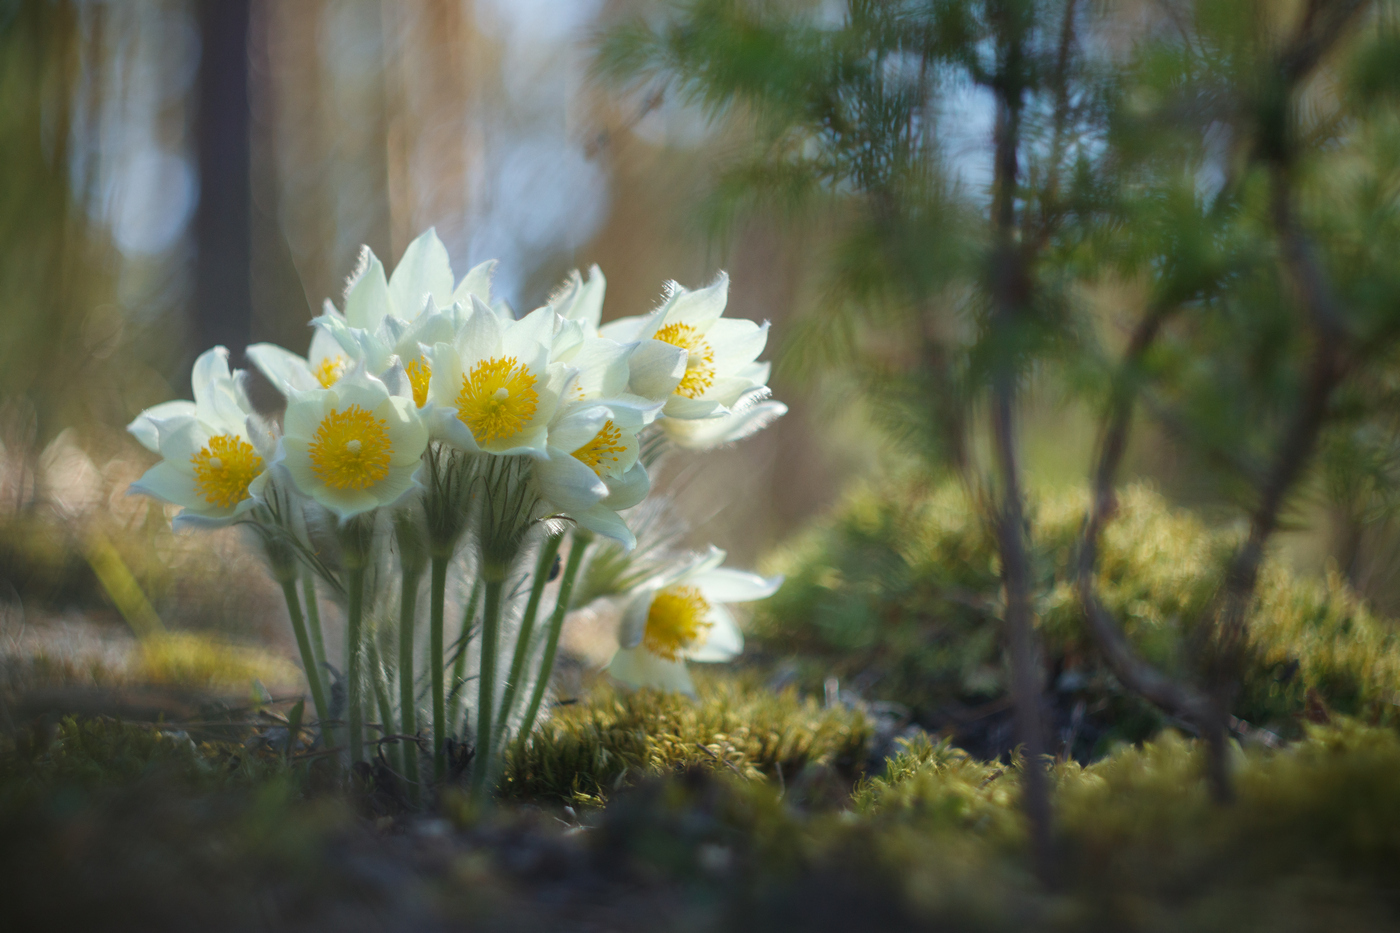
[{"x": 117, "y": 826}]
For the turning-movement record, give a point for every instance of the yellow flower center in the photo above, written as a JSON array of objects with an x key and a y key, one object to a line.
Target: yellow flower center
[
  {"x": 350, "y": 449},
  {"x": 700, "y": 361},
  {"x": 419, "y": 371},
  {"x": 602, "y": 452},
  {"x": 329, "y": 370},
  {"x": 676, "y": 621},
  {"x": 223, "y": 470},
  {"x": 497, "y": 399}
]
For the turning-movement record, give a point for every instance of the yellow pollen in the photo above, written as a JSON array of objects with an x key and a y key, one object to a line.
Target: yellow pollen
[
  {"x": 497, "y": 399},
  {"x": 676, "y": 621},
  {"x": 700, "y": 362},
  {"x": 602, "y": 452},
  {"x": 350, "y": 449},
  {"x": 329, "y": 370},
  {"x": 223, "y": 470},
  {"x": 419, "y": 371}
]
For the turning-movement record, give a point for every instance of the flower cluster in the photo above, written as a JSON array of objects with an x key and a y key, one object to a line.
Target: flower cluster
[{"x": 427, "y": 426}]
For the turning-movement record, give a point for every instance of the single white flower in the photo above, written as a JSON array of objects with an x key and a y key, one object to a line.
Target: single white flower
[
  {"x": 591, "y": 468},
  {"x": 214, "y": 449},
  {"x": 680, "y": 616},
  {"x": 494, "y": 388},
  {"x": 325, "y": 362},
  {"x": 352, "y": 447},
  {"x": 720, "y": 359}
]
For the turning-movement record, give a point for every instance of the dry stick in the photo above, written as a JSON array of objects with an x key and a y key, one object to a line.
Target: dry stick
[{"x": 1011, "y": 285}]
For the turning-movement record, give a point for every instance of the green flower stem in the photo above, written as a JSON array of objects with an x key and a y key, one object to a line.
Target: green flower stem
[
  {"x": 548, "y": 551},
  {"x": 387, "y": 723},
  {"x": 308, "y": 658},
  {"x": 354, "y": 637},
  {"x": 494, "y": 575},
  {"x": 459, "y": 663},
  {"x": 408, "y": 705},
  {"x": 313, "y": 616},
  {"x": 581, "y": 540},
  {"x": 437, "y": 664}
]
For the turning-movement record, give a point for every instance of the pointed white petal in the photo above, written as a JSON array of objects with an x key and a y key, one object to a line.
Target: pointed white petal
[
  {"x": 367, "y": 300},
  {"x": 476, "y": 282},
  {"x": 425, "y": 269},
  {"x": 723, "y": 585},
  {"x": 638, "y": 667}
]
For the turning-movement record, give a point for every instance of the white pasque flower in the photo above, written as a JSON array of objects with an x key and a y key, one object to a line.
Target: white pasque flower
[
  {"x": 680, "y": 616},
  {"x": 352, "y": 447},
  {"x": 720, "y": 362},
  {"x": 494, "y": 388},
  {"x": 753, "y": 412},
  {"x": 214, "y": 449}
]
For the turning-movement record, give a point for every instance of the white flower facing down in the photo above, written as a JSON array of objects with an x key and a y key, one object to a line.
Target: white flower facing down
[
  {"x": 214, "y": 449},
  {"x": 680, "y": 616},
  {"x": 325, "y": 362},
  {"x": 352, "y": 447},
  {"x": 720, "y": 362},
  {"x": 592, "y": 459}
]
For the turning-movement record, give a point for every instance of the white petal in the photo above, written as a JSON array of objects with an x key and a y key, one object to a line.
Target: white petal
[
  {"x": 706, "y": 433},
  {"x": 476, "y": 282},
  {"x": 480, "y": 337},
  {"x": 633, "y": 624},
  {"x": 678, "y": 406},
  {"x": 284, "y": 369},
  {"x": 702, "y": 307},
  {"x": 425, "y": 269},
  {"x": 656, "y": 369},
  {"x": 163, "y": 481},
  {"x": 638, "y": 667},
  {"x": 367, "y": 300},
  {"x": 629, "y": 489},
  {"x": 567, "y": 483},
  {"x": 602, "y": 520},
  {"x": 144, "y": 429},
  {"x": 723, "y": 640},
  {"x": 723, "y": 585},
  {"x": 624, "y": 329}
]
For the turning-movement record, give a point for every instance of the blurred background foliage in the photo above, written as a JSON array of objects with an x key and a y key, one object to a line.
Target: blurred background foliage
[{"x": 178, "y": 177}]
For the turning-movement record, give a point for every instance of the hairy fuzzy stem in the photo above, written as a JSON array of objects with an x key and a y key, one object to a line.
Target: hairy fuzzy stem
[
  {"x": 437, "y": 663},
  {"x": 459, "y": 661},
  {"x": 354, "y": 636},
  {"x": 387, "y": 722},
  {"x": 548, "y": 551},
  {"x": 495, "y": 579},
  {"x": 408, "y": 711},
  {"x": 313, "y": 616},
  {"x": 581, "y": 540},
  {"x": 308, "y": 657}
]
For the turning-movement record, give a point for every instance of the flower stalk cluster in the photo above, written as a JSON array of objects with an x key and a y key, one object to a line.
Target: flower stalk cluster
[{"x": 429, "y": 433}]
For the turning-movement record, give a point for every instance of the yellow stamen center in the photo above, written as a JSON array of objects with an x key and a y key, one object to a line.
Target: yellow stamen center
[
  {"x": 223, "y": 470},
  {"x": 700, "y": 362},
  {"x": 419, "y": 371},
  {"x": 497, "y": 400},
  {"x": 329, "y": 370},
  {"x": 602, "y": 452},
  {"x": 350, "y": 449},
  {"x": 676, "y": 621}
]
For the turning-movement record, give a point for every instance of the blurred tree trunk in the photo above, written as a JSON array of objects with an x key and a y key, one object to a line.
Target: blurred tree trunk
[{"x": 222, "y": 229}]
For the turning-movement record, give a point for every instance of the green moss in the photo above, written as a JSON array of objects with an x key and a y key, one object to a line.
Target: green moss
[
  {"x": 586, "y": 752},
  {"x": 898, "y": 587}
]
